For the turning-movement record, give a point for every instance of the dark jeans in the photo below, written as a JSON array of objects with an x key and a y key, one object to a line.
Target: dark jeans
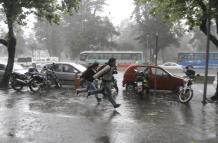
[
  {"x": 90, "y": 87},
  {"x": 106, "y": 91}
]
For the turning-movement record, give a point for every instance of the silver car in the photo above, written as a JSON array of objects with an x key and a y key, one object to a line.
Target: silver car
[{"x": 67, "y": 71}]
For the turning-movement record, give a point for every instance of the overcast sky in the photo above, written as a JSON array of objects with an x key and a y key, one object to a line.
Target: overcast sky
[{"x": 119, "y": 10}]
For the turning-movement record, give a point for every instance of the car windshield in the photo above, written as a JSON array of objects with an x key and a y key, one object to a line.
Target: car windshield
[{"x": 79, "y": 67}]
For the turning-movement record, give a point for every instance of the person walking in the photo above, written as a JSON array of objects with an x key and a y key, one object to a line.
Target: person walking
[
  {"x": 87, "y": 76},
  {"x": 106, "y": 75}
]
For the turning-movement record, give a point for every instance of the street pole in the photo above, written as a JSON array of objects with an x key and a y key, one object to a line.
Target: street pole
[
  {"x": 147, "y": 47},
  {"x": 207, "y": 53},
  {"x": 156, "y": 48}
]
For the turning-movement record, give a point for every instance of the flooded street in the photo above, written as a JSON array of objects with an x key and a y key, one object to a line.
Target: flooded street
[{"x": 59, "y": 116}]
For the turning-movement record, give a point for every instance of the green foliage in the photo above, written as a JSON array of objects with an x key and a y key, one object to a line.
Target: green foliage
[
  {"x": 192, "y": 11},
  {"x": 85, "y": 30},
  {"x": 150, "y": 24},
  {"x": 18, "y": 10},
  {"x": 195, "y": 13}
]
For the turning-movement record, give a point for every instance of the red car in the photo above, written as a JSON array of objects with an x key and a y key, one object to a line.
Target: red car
[{"x": 155, "y": 74}]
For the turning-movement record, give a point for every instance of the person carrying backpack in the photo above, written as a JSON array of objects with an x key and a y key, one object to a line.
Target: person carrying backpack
[
  {"x": 89, "y": 80},
  {"x": 106, "y": 75}
]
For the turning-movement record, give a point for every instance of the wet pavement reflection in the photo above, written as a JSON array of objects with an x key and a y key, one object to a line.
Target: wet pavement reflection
[{"x": 59, "y": 116}]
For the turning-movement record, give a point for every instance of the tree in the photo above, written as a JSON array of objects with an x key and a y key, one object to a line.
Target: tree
[
  {"x": 16, "y": 11},
  {"x": 149, "y": 25},
  {"x": 195, "y": 13},
  {"x": 86, "y": 30}
]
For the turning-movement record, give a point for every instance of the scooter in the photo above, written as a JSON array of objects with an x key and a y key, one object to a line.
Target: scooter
[{"x": 141, "y": 83}]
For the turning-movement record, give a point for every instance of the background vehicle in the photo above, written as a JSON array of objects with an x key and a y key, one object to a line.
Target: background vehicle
[
  {"x": 17, "y": 68},
  {"x": 124, "y": 58},
  {"x": 27, "y": 61},
  {"x": 171, "y": 65},
  {"x": 157, "y": 78},
  {"x": 197, "y": 59},
  {"x": 160, "y": 79},
  {"x": 215, "y": 81},
  {"x": 67, "y": 72},
  {"x": 18, "y": 81}
]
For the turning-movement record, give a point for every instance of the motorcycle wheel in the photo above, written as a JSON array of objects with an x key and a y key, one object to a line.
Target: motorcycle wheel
[
  {"x": 185, "y": 97},
  {"x": 130, "y": 88},
  {"x": 35, "y": 85},
  {"x": 16, "y": 85},
  {"x": 58, "y": 84}
]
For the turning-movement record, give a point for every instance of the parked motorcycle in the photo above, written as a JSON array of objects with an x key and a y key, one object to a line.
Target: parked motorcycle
[
  {"x": 186, "y": 92},
  {"x": 18, "y": 81},
  {"x": 141, "y": 83},
  {"x": 46, "y": 79}
]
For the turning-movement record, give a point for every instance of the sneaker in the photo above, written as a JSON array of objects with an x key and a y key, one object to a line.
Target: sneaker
[{"x": 117, "y": 105}]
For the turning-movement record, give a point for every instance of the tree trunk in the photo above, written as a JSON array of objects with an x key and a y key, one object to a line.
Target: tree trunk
[{"x": 11, "y": 54}]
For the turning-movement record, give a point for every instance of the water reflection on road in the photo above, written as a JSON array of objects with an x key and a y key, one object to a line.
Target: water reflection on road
[{"x": 61, "y": 116}]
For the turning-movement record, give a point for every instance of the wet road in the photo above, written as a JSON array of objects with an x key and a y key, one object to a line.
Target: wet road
[{"x": 59, "y": 116}]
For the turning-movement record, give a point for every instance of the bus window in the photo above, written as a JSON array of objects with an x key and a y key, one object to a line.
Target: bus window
[
  {"x": 124, "y": 58},
  {"x": 83, "y": 57}
]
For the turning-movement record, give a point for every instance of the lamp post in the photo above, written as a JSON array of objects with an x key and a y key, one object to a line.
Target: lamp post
[
  {"x": 156, "y": 48},
  {"x": 147, "y": 47}
]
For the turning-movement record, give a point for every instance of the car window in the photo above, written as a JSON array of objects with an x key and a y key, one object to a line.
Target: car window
[
  {"x": 58, "y": 68},
  {"x": 79, "y": 67},
  {"x": 158, "y": 72},
  {"x": 2, "y": 67},
  {"x": 167, "y": 64},
  {"x": 141, "y": 68},
  {"x": 68, "y": 68}
]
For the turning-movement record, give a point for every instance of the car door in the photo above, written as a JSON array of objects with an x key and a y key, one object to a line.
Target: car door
[
  {"x": 66, "y": 73},
  {"x": 159, "y": 79}
]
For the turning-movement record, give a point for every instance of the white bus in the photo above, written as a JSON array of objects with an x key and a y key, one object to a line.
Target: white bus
[{"x": 124, "y": 58}]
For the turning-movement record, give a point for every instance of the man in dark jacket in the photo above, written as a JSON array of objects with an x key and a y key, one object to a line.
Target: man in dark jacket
[
  {"x": 89, "y": 80},
  {"x": 107, "y": 80}
]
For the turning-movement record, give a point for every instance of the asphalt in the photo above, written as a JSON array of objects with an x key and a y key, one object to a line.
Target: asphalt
[{"x": 59, "y": 116}]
